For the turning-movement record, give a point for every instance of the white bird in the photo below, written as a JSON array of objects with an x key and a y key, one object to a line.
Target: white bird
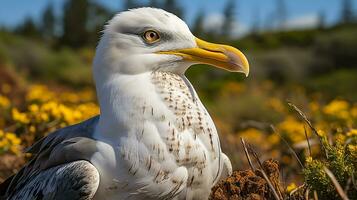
[{"x": 153, "y": 139}]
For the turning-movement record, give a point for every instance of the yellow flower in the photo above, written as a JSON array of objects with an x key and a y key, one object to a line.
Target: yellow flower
[
  {"x": 354, "y": 111},
  {"x": 293, "y": 128},
  {"x": 273, "y": 139},
  {"x": 321, "y": 133},
  {"x": 352, "y": 132},
  {"x": 10, "y": 136},
  {"x": 353, "y": 149},
  {"x": 252, "y": 135},
  {"x": 341, "y": 138},
  {"x": 4, "y": 101},
  {"x": 70, "y": 97},
  {"x": 276, "y": 104},
  {"x": 34, "y": 108},
  {"x": 233, "y": 88},
  {"x": 9, "y": 142},
  {"x": 20, "y": 117},
  {"x": 291, "y": 187},
  {"x": 39, "y": 93},
  {"x": 44, "y": 117},
  {"x": 337, "y": 108},
  {"x": 308, "y": 159},
  {"x": 32, "y": 129},
  {"x": 314, "y": 106}
]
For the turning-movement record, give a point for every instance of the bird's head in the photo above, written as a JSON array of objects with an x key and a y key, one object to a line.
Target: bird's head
[{"x": 150, "y": 39}]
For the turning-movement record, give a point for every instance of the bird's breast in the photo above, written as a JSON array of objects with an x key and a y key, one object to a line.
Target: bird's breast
[{"x": 171, "y": 144}]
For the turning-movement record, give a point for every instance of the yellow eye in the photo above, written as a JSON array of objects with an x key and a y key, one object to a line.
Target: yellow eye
[{"x": 151, "y": 36}]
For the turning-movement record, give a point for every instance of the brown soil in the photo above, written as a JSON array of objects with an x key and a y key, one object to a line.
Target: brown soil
[
  {"x": 248, "y": 184},
  {"x": 9, "y": 164}
]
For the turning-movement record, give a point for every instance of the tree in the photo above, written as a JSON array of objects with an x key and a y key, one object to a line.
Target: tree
[
  {"x": 321, "y": 20},
  {"x": 228, "y": 18},
  {"x": 98, "y": 15},
  {"x": 128, "y": 4},
  {"x": 27, "y": 28},
  {"x": 198, "y": 29},
  {"x": 347, "y": 11},
  {"x": 256, "y": 22},
  {"x": 281, "y": 13},
  {"x": 154, "y": 4},
  {"x": 48, "y": 23},
  {"x": 172, "y": 7},
  {"x": 75, "y": 18}
]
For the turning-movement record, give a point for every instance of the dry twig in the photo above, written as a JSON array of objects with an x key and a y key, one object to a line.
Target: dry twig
[
  {"x": 336, "y": 184},
  {"x": 307, "y": 194},
  {"x": 261, "y": 170},
  {"x": 303, "y": 116},
  {"x": 308, "y": 141},
  {"x": 270, "y": 184},
  {"x": 296, "y": 189},
  {"x": 316, "y": 197},
  {"x": 287, "y": 144},
  {"x": 247, "y": 154}
]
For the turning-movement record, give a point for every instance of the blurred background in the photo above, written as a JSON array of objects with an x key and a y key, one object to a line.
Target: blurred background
[{"x": 304, "y": 52}]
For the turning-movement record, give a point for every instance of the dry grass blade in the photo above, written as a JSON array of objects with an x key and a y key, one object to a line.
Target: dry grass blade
[
  {"x": 247, "y": 154},
  {"x": 336, "y": 184},
  {"x": 261, "y": 170},
  {"x": 270, "y": 184},
  {"x": 296, "y": 189},
  {"x": 303, "y": 116},
  {"x": 283, "y": 178},
  {"x": 307, "y": 194},
  {"x": 316, "y": 197},
  {"x": 347, "y": 187},
  {"x": 308, "y": 141},
  {"x": 287, "y": 144},
  {"x": 354, "y": 181},
  {"x": 255, "y": 155}
]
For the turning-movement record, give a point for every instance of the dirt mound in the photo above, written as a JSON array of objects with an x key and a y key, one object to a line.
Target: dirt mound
[
  {"x": 249, "y": 185},
  {"x": 9, "y": 164}
]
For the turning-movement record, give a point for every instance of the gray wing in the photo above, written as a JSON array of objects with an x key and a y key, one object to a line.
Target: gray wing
[
  {"x": 51, "y": 155},
  {"x": 75, "y": 180}
]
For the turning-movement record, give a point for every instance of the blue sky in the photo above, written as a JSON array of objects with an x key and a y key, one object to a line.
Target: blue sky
[{"x": 13, "y": 12}]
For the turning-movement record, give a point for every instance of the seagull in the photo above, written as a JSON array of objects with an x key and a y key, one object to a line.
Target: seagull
[{"x": 153, "y": 139}]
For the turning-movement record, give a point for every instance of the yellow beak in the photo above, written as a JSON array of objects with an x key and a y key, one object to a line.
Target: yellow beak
[{"x": 218, "y": 55}]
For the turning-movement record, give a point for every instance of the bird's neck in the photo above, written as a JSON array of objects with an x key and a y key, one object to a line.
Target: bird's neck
[{"x": 125, "y": 99}]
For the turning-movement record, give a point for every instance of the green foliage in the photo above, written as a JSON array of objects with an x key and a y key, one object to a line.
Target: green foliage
[
  {"x": 173, "y": 7},
  {"x": 318, "y": 180},
  {"x": 228, "y": 18},
  {"x": 36, "y": 61},
  {"x": 347, "y": 15},
  {"x": 340, "y": 161},
  {"x": 168, "y": 5},
  {"x": 198, "y": 29},
  {"x": 75, "y": 20},
  {"x": 273, "y": 40},
  {"x": 48, "y": 23},
  {"x": 339, "y": 83},
  {"x": 336, "y": 49},
  {"x": 82, "y": 22},
  {"x": 28, "y": 28}
]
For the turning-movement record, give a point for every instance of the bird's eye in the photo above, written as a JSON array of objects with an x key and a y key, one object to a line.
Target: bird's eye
[{"x": 151, "y": 36}]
